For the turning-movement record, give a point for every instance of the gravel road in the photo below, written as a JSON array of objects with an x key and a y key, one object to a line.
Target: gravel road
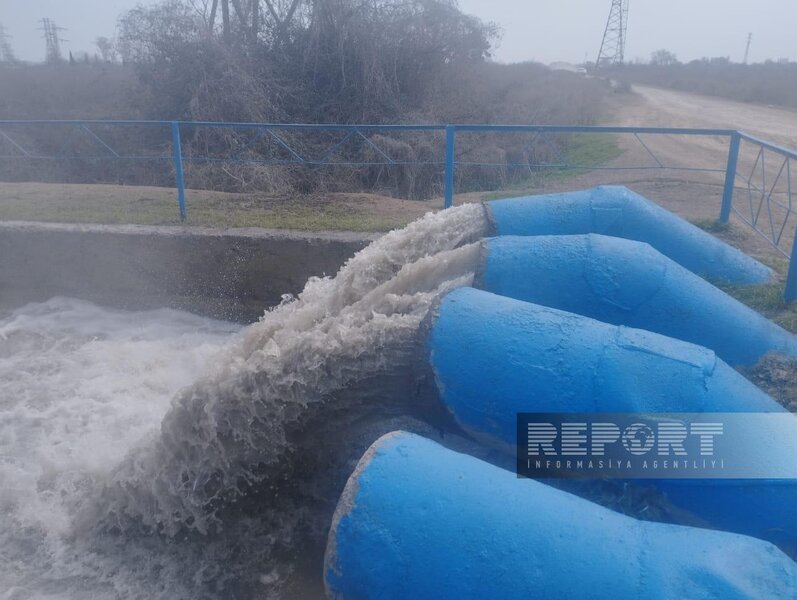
[
  {"x": 697, "y": 195},
  {"x": 679, "y": 109}
]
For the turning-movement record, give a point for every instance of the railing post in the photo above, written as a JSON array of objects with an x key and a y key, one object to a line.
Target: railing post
[
  {"x": 177, "y": 153},
  {"x": 730, "y": 177},
  {"x": 449, "y": 182},
  {"x": 790, "y": 294}
]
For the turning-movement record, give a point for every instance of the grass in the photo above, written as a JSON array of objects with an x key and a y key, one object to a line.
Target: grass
[
  {"x": 587, "y": 150},
  {"x": 141, "y": 205},
  {"x": 767, "y": 300},
  {"x": 593, "y": 149},
  {"x": 713, "y": 225},
  {"x": 110, "y": 204},
  {"x": 734, "y": 234}
]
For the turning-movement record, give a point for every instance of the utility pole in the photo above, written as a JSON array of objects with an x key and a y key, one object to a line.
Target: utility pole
[
  {"x": 612, "y": 50},
  {"x": 52, "y": 41},
  {"x": 747, "y": 50},
  {"x": 6, "y": 52}
]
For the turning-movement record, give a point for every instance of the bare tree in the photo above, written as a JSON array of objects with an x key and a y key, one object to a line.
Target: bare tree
[
  {"x": 107, "y": 48},
  {"x": 663, "y": 57}
]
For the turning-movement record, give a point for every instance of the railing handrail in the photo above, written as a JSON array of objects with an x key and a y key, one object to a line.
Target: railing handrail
[
  {"x": 769, "y": 145},
  {"x": 464, "y": 127},
  {"x": 764, "y": 194}
]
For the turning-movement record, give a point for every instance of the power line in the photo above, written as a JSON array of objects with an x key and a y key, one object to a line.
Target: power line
[
  {"x": 6, "y": 52},
  {"x": 612, "y": 50},
  {"x": 52, "y": 41}
]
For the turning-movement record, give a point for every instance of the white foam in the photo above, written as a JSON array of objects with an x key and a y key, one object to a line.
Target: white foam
[{"x": 80, "y": 385}]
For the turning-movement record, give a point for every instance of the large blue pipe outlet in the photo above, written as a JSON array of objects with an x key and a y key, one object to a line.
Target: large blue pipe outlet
[
  {"x": 619, "y": 212},
  {"x": 494, "y": 357},
  {"x": 417, "y": 520},
  {"x": 628, "y": 283}
]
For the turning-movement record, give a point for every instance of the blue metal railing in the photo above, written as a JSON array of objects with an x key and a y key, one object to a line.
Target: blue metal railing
[{"x": 768, "y": 186}]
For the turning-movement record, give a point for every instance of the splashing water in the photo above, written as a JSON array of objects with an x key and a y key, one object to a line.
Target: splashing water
[
  {"x": 79, "y": 386},
  {"x": 230, "y": 495}
]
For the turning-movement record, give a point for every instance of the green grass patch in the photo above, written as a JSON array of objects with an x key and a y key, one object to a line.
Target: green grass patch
[
  {"x": 593, "y": 149},
  {"x": 767, "y": 300},
  {"x": 713, "y": 225},
  {"x": 737, "y": 234},
  {"x": 584, "y": 149},
  {"x": 116, "y": 205}
]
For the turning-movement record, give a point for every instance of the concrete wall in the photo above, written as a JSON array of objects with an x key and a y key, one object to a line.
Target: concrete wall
[{"x": 230, "y": 274}]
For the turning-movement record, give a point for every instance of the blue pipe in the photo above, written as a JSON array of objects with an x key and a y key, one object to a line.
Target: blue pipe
[
  {"x": 628, "y": 283},
  {"x": 417, "y": 520},
  {"x": 619, "y": 212},
  {"x": 494, "y": 357}
]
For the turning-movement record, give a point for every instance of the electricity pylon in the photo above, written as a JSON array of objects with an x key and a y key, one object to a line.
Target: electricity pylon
[
  {"x": 612, "y": 50},
  {"x": 6, "y": 52},
  {"x": 52, "y": 41}
]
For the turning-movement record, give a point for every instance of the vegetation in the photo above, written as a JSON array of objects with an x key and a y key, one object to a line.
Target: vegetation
[
  {"x": 84, "y": 90},
  {"x": 584, "y": 150},
  {"x": 768, "y": 300},
  {"x": 771, "y": 82},
  {"x": 142, "y": 205},
  {"x": 311, "y": 61}
]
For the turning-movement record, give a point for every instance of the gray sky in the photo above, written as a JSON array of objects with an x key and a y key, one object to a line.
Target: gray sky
[
  {"x": 550, "y": 30},
  {"x": 542, "y": 30}
]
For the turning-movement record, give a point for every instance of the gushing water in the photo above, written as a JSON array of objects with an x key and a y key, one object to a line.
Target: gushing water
[{"x": 118, "y": 483}]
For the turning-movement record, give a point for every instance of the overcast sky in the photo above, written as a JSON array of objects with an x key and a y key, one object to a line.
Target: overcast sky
[{"x": 542, "y": 30}]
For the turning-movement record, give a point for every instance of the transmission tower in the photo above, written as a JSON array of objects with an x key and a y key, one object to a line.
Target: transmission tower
[
  {"x": 248, "y": 13},
  {"x": 52, "y": 41},
  {"x": 747, "y": 49},
  {"x": 612, "y": 50},
  {"x": 6, "y": 52}
]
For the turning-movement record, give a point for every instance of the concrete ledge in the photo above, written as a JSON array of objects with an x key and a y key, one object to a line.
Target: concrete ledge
[{"x": 232, "y": 274}]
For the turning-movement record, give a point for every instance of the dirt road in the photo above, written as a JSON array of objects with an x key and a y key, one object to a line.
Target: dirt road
[
  {"x": 700, "y": 197},
  {"x": 692, "y": 194},
  {"x": 669, "y": 108},
  {"x": 654, "y": 107}
]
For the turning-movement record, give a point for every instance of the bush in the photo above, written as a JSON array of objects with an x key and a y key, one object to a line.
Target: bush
[
  {"x": 343, "y": 61},
  {"x": 766, "y": 83}
]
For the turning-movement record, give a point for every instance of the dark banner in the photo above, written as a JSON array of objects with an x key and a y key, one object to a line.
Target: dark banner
[{"x": 657, "y": 446}]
